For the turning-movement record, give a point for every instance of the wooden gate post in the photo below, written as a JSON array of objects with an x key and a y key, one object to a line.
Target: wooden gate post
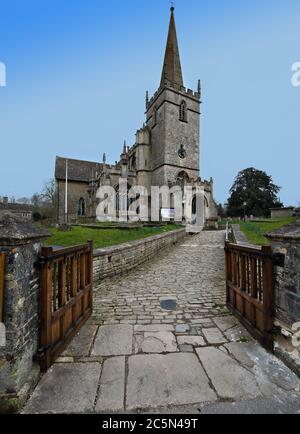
[
  {"x": 268, "y": 288},
  {"x": 45, "y": 324}
]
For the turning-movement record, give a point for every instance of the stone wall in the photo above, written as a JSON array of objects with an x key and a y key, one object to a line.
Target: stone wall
[
  {"x": 278, "y": 213},
  {"x": 20, "y": 242},
  {"x": 120, "y": 259},
  {"x": 76, "y": 191},
  {"x": 285, "y": 244}
]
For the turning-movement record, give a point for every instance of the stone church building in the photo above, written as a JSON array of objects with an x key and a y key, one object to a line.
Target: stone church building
[{"x": 166, "y": 151}]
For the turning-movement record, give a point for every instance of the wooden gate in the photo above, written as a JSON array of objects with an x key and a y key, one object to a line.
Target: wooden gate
[
  {"x": 249, "y": 281},
  {"x": 66, "y": 298},
  {"x": 2, "y": 257}
]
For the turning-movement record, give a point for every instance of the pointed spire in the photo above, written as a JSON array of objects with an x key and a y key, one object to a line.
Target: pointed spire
[
  {"x": 172, "y": 71},
  {"x": 125, "y": 147}
]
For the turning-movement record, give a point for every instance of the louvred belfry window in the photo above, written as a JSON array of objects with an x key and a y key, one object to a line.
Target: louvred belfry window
[{"x": 183, "y": 112}]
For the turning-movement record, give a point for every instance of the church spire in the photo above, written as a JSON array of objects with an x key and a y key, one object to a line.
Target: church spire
[{"x": 172, "y": 67}]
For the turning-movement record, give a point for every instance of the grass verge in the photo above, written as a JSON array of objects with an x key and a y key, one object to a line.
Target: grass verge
[
  {"x": 255, "y": 231},
  {"x": 103, "y": 238}
]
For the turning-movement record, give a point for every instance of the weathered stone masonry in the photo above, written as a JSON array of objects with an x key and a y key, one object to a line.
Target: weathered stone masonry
[
  {"x": 115, "y": 260},
  {"x": 286, "y": 242},
  {"x": 21, "y": 243}
]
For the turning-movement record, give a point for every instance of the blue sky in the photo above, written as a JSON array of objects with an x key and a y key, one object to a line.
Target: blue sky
[{"x": 77, "y": 72}]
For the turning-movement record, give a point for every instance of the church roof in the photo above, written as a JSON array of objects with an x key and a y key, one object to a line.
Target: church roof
[
  {"x": 172, "y": 71},
  {"x": 78, "y": 170},
  {"x": 16, "y": 207}
]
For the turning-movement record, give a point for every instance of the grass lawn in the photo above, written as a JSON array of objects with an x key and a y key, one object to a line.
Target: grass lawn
[
  {"x": 103, "y": 238},
  {"x": 255, "y": 231}
]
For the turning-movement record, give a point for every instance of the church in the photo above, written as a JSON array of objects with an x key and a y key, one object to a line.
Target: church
[{"x": 166, "y": 151}]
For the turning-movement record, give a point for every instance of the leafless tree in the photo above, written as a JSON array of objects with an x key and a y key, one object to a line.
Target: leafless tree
[{"x": 49, "y": 192}]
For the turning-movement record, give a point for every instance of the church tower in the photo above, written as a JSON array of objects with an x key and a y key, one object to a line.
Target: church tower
[{"x": 173, "y": 118}]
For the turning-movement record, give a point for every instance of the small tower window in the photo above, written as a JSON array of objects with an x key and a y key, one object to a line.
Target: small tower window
[{"x": 183, "y": 112}]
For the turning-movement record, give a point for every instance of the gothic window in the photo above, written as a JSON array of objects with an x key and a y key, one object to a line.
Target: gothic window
[
  {"x": 183, "y": 112},
  {"x": 81, "y": 207},
  {"x": 133, "y": 163}
]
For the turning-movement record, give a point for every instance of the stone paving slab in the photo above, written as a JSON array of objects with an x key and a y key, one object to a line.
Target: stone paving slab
[
  {"x": 214, "y": 336},
  {"x": 82, "y": 343},
  {"x": 173, "y": 379},
  {"x": 112, "y": 385},
  {"x": 115, "y": 340},
  {"x": 196, "y": 341},
  {"x": 280, "y": 404},
  {"x": 230, "y": 379},
  {"x": 225, "y": 323},
  {"x": 239, "y": 352},
  {"x": 66, "y": 388},
  {"x": 160, "y": 342},
  {"x": 238, "y": 334}
]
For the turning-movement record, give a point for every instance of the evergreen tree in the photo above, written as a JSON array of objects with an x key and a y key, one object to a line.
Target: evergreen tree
[{"x": 253, "y": 193}]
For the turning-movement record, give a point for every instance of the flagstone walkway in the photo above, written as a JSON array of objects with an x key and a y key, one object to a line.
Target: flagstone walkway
[{"x": 136, "y": 355}]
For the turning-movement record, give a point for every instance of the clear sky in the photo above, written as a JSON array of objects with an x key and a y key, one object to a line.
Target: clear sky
[{"x": 77, "y": 72}]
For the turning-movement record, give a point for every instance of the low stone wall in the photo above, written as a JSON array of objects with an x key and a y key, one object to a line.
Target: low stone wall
[
  {"x": 119, "y": 259},
  {"x": 238, "y": 237}
]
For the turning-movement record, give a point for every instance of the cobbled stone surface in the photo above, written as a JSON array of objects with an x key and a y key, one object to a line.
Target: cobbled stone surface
[{"x": 194, "y": 277}]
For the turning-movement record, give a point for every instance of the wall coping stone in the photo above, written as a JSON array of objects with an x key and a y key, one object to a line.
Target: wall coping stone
[
  {"x": 134, "y": 244},
  {"x": 286, "y": 233},
  {"x": 14, "y": 232}
]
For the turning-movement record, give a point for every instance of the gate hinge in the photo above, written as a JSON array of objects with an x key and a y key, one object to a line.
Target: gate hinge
[{"x": 39, "y": 355}]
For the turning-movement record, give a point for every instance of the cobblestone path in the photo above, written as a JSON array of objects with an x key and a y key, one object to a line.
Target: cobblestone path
[
  {"x": 192, "y": 274},
  {"x": 135, "y": 355}
]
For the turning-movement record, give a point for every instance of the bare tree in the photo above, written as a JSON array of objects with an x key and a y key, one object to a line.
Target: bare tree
[
  {"x": 49, "y": 192},
  {"x": 36, "y": 200}
]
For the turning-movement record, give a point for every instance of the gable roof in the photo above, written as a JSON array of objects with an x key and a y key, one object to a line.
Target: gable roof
[
  {"x": 78, "y": 170},
  {"x": 21, "y": 207}
]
